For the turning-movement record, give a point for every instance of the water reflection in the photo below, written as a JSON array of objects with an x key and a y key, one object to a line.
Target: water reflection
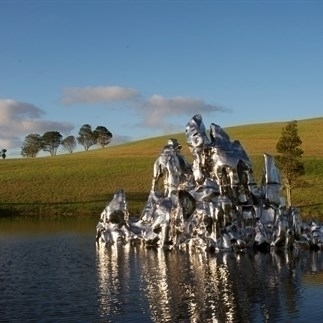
[
  {"x": 186, "y": 286},
  {"x": 113, "y": 275},
  {"x": 54, "y": 272}
]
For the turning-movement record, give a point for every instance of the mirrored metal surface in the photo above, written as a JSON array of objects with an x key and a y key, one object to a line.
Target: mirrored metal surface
[{"x": 212, "y": 204}]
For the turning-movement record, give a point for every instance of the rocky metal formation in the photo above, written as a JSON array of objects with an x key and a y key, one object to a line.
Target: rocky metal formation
[{"x": 213, "y": 203}]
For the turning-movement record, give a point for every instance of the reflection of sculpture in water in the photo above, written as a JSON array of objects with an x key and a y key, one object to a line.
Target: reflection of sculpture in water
[
  {"x": 138, "y": 282},
  {"x": 212, "y": 204}
]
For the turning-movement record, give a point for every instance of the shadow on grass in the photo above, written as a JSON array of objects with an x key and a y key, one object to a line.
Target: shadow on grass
[{"x": 7, "y": 212}]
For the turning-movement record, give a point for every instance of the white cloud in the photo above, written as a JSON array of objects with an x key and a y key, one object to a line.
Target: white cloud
[
  {"x": 11, "y": 109},
  {"x": 19, "y": 119},
  {"x": 98, "y": 94},
  {"x": 157, "y": 111}
]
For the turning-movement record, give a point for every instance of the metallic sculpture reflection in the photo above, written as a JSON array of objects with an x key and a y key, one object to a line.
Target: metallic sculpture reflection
[
  {"x": 212, "y": 204},
  {"x": 195, "y": 286}
]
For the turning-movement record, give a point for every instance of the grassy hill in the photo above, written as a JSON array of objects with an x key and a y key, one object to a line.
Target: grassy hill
[{"x": 81, "y": 183}]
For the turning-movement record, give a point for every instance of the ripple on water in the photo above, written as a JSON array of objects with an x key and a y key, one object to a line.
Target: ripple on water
[{"x": 62, "y": 276}]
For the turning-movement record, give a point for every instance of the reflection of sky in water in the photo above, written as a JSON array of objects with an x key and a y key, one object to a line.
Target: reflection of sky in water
[{"x": 312, "y": 294}]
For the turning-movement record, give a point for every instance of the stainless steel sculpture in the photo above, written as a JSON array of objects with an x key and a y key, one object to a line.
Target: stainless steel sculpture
[{"x": 213, "y": 204}]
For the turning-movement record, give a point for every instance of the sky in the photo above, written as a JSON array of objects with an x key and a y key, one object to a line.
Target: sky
[{"x": 145, "y": 68}]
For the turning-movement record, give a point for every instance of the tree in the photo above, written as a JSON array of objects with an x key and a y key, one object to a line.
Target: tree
[
  {"x": 86, "y": 137},
  {"x": 103, "y": 136},
  {"x": 69, "y": 143},
  {"x": 51, "y": 141},
  {"x": 32, "y": 145},
  {"x": 289, "y": 160},
  {"x": 4, "y": 153}
]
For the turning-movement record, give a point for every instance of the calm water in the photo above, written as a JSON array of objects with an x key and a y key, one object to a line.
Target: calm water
[{"x": 54, "y": 272}]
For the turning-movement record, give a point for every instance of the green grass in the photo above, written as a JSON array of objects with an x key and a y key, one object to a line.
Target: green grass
[{"x": 82, "y": 183}]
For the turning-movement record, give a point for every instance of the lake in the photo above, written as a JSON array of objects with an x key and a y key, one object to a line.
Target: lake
[{"x": 53, "y": 271}]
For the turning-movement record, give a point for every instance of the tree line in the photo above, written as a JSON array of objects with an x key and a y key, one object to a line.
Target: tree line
[{"x": 50, "y": 141}]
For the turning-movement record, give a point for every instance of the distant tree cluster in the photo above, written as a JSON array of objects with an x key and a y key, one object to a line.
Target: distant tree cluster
[
  {"x": 3, "y": 155},
  {"x": 51, "y": 140}
]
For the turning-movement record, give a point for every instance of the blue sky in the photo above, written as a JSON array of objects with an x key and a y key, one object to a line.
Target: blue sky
[{"x": 144, "y": 68}]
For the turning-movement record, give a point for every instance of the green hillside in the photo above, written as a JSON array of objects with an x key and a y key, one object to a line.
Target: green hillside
[{"x": 81, "y": 183}]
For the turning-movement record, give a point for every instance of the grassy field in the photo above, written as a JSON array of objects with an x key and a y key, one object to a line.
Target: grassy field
[{"x": 82, "y": 183}]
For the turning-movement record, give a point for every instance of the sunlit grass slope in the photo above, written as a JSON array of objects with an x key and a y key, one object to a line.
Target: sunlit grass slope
[{"x": 82, "y": 183}]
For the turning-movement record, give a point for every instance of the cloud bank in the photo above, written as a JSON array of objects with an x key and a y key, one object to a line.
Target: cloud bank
[
  {"x": 154, "y": 113},
  {"x": 158, "y": 111},
  {"x": 19, "y": 119}
]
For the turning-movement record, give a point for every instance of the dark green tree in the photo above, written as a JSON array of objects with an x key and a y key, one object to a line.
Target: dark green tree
[
  {"x": 4, "y": 153},
  {"x": 51, "y": 141},
  {"x": 32, "y": 145},
  {"x": 86, "y": 137},
  {"x": 289, "y": 158},
  {"x": 103, "y": 136},
  {"x": 69, "y": 143}
]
